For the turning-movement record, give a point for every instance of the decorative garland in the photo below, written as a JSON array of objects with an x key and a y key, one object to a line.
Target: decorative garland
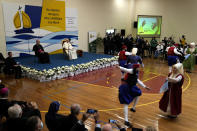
[{"x": 68, "y": 71}]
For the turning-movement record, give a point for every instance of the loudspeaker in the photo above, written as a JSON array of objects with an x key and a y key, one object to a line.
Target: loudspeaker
[
  {"x": 135, "y": 24},
  {"x": 122, "y": 32}
]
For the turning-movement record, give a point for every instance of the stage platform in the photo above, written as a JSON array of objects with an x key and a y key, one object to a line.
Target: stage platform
[
  {"x": 58, "y": 60},
  {"x": 59, "y": 67}
]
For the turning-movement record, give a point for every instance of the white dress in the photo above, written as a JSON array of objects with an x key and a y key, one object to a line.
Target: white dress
[{"x": 70, "y": 50}]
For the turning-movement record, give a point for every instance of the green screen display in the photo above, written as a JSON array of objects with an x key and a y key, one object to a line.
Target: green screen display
[{"x": 149, "y": 26}]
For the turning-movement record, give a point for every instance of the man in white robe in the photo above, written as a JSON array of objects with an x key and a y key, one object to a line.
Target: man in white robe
[{"x": 69, "y": 49}]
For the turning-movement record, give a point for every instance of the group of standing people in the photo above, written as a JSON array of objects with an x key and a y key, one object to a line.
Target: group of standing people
[{"x": 113, "y": 43}]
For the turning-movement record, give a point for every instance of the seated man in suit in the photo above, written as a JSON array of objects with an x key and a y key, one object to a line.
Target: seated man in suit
[
  {"x": 11, "y": 66},
  {"x": 43, "y": 57},
  {"x": 68, "y": 49}
]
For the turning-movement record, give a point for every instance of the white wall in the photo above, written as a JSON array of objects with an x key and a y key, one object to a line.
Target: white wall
[
  {"x": 98, "y": 15},
  {"x": 93, "y": 15},
  {"x": 178, "y": 16}
]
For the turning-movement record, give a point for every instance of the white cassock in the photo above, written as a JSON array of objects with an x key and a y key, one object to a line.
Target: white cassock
[{"x": 70, "y": 50}]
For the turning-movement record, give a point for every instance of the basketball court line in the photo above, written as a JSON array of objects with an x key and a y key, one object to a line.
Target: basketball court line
[
  {"x": 81, "y": 85},
  {"x": 106, "y": 110}
]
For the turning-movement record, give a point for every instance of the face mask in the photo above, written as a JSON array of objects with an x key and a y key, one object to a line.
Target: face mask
[{"x": 41, "y": 126}]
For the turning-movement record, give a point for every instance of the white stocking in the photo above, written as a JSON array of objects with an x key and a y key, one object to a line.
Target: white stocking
[
  {"x": 135, "y": 101},
  {"x": 122, "y": 75},
  {"x": 126, "y": 112},
  {"x": 170, "y": 69}
]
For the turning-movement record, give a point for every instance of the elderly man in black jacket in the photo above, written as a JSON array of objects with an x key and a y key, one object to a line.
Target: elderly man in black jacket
[{"x": 43, "y": 56}]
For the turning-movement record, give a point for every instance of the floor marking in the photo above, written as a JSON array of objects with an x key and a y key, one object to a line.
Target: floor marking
[
  {"x": 107, "y": 86},
  {"x": 113, "y": 109}
]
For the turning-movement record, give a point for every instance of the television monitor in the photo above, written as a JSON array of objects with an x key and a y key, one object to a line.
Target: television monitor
[{"x": 149, "y": 26}]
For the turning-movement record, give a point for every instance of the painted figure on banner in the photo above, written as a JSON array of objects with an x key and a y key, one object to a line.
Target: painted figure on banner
[{"x": 22, "y": 22}]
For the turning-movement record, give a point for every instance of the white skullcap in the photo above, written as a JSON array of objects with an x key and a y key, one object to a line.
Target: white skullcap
[
  {"x": 134, "y": 51},
  {"x": 179, "y": 67}
]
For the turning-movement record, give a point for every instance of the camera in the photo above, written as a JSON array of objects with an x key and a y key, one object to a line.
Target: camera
[
  {"x": 112, "y": 121},
  {"x": 91, "y": 111}
]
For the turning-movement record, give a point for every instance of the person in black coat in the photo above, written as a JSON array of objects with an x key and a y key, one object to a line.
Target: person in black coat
[
  {"x": 4, "y": 103},
  {"x": 52, "y": 119},
  {"x": 71, "y": 119},
  {"x": 43, "y": 56},
  {"x": 12, "y": 67}
]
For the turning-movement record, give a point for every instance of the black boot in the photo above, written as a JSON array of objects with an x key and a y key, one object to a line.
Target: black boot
[{"x": 128, "y": 124}]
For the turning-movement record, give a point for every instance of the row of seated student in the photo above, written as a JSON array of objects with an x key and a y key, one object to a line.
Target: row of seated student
[{"x": 24, "y": 116}]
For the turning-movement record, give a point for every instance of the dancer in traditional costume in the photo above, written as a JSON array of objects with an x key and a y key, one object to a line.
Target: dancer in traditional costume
[
  {"x": 134, "y": 59},
  {"x": 172, "y": 56},
  {"x": 123, "y": 58},
  {"x": 171, "y": 100},
  {"x": 128, "y": 91},
  {"x": 190, "y": 62}
]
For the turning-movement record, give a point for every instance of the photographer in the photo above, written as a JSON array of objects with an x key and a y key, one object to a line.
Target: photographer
[
  {"x": 69, "y": 121},
  {"x": 80, "y": 126}
]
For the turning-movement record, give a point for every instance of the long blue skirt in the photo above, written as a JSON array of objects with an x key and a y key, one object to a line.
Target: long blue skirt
[
  {"x": 172, "y": 60},
  {"x": 122, "y": 63},
  {"x": 127, "y": 94}
]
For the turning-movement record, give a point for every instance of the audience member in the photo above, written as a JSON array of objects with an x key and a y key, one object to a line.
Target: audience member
[
  {"x": 80, "y": 126},
  {"x": 153, "y": 44},
  {"x": 34, "y": 123},
  {"x": 11, "y": 66},
  {"x": 29, "y": 109},
  {"x": 4, "y": 103},
  {"x": 183, "y": 42},
  {"x": 159, "y": 50},
  {"x": 71, "y": 119},
  {"x": 14, "y": 121},
  {"x": 52, "y": 119}
]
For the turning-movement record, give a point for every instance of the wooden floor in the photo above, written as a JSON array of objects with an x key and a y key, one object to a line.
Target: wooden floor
[{"x": 99, "y": 90}]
